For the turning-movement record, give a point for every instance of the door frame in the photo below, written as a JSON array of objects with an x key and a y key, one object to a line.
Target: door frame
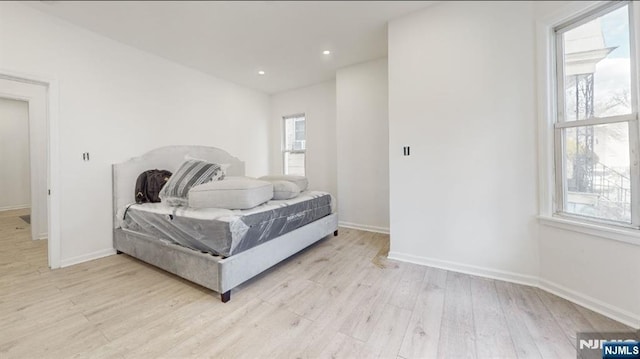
[{"x": 52, "y": 163}]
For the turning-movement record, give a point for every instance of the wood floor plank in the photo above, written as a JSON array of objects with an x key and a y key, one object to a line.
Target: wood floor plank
[
  {"x": 601, "y": 323},
  {"x": 19, "y": 324},
  {"x": 386, "y": 337},
  {"x": 290, "y": 287},
  {"x": 155, "y": 338},
  {"x": 543, "y": 325},
  {"x": 58, "y": 336},
  {"x": 344, "y": 346},
  {"x": 361, "y": 321},
  {"x": 540, "y": 323},
  {"x": 423, "y": 332},
  {"x": 492, "y": 333},
  {"x": 271, "y": 333},
  {"x": 407, "y": 289},
  {"x": 222, "y": 333},
  {"x": 457, "y": 332},
  {"x": 339, "y": 298},
  {"x": 523, "y": 340},
  {"x": 332, "y": 319},
  {"x": 568, "y": 317},
  {"x": 313, "y": 301}
]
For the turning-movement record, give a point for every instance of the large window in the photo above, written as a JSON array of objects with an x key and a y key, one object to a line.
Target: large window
[
  {"x": 294, "y": 145},
  {"x": 596, "y": 132}
]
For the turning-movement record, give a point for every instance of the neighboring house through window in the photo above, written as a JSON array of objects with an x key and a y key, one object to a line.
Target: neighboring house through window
[
  {"x": 596, "y": 129},
  {"x": 294, "y": 145}
]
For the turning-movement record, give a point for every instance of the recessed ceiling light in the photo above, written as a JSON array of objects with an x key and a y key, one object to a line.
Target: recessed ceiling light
[
  {"x": 326, "y": 52},
  {"x": 260, "y": 72}
]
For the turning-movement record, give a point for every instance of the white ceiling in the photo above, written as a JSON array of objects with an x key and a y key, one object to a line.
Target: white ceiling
[{"x": 233, "y": 40}]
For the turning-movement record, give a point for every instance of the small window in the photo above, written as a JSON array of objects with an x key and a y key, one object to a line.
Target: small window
[
  {"x": 294, "y": 145},
  {"x": 596, "y": 131}
]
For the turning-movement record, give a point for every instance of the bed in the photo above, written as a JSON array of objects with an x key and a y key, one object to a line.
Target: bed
[{"x": 219, "y": 271}]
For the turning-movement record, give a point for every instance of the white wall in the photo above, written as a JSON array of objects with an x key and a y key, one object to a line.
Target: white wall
[
  {"x": 347, "y": 141},
  {"x": 600, "y": 273},
  {"x": 318, "y": 103},
  {"x": 14, "y": 154},
  {"x": 461, "y": 94},
  {"x": 363, "y": 145},
  {"x": 117, "y": 102}
]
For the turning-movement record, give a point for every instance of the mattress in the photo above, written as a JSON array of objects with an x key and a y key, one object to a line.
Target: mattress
[{"x": 222, "y": 231}]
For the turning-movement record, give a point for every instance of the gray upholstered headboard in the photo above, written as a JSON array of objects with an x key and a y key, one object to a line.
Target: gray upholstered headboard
[{"x": 164, "y": 158}]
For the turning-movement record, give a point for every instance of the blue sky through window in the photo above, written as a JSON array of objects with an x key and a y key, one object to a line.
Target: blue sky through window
[{"x": 615, "y": 28}]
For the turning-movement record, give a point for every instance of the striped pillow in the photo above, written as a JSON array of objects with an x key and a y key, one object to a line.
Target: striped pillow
[{"x": 191, "y": 173}]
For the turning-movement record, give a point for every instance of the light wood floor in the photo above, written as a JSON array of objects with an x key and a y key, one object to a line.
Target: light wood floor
[{"x": 340, "y": 298}]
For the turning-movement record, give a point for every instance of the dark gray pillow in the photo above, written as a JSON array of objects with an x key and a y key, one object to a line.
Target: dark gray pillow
[{"x": 191, "y": 173}]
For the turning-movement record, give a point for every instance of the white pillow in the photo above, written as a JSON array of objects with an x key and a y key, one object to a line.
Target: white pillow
[
  {"x": 285, "y": 190},
  {"x": 300, "y": 181},
  {"x": 235, "y": 193}
]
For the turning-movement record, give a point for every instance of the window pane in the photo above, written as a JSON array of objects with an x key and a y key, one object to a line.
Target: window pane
[
  {"x": 289, "y": 133},
  {"x": 597, "y": 171},
  {"x": 597, "y": 67},
  {"x": 294, "y": 163},
  {"x": 294, "y": 134},
  {"x": 300, "y": 135}
]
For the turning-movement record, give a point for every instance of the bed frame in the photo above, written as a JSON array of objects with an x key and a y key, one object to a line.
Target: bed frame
[{"x": 210, "y": 271}]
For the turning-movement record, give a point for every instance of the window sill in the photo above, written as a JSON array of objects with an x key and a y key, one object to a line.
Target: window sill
[{"x": 629, "y": 236}]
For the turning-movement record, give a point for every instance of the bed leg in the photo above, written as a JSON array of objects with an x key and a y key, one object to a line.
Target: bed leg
[
  {"x": 118, "y": 252},
  {"x": 226, "y": 296},
  {"x": 335, "y": 233}
]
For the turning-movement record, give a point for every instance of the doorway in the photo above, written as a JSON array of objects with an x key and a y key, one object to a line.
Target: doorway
[
  {"x": 35, "y": 95},
  {"x": 15, "y": 178}
]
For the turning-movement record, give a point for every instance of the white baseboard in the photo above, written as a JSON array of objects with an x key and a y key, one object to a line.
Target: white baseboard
[
  {"x": 86, "y": 257},
  {"x": 467, "y": 269},
  {"x": 596, "y": 305},
  {"x": 42, "y": 236},
  {"x": 364, "y": 227},
  {"x": 615, "y": 313},
  {"x": 11, "y": 208}
]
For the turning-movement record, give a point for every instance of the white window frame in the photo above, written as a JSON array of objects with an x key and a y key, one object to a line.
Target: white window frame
[
  {"x": 550, "y": 111},
  {"x": 284, "y": 141}
]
